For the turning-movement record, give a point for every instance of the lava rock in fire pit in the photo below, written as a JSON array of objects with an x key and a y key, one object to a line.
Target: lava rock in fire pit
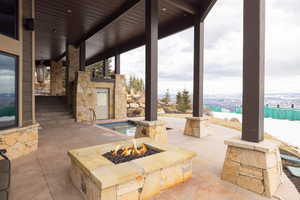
[{"x": 127, "y": 154}]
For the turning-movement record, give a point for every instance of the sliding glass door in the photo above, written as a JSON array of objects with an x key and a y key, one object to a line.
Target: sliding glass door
[{"x": 8, "y": 90}]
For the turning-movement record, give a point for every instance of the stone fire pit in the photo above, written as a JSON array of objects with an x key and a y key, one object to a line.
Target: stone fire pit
[{"x": 97, "y": 178}]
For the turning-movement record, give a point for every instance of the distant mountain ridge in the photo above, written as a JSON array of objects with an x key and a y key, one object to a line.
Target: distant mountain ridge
[{"x": 231, "y": 101}]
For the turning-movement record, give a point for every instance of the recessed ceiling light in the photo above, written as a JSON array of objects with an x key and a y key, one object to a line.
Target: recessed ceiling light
[
  {"x": 164, "y": 9},
  {"x": 69, "y": 11}
]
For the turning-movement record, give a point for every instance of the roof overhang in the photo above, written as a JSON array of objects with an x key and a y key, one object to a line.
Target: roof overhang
[{"x": 107, "y": 27}]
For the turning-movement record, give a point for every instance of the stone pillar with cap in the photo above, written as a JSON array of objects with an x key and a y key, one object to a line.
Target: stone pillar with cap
[
  {"x": 253, "y": 162},
  {"x": 196, "y": 126}
]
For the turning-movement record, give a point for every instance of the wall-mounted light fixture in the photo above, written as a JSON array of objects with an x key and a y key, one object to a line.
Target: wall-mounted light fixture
[{"x": 41, "y": 72}]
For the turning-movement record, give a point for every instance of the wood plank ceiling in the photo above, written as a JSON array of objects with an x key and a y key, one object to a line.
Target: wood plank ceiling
[{"x": 59, "y": 21}]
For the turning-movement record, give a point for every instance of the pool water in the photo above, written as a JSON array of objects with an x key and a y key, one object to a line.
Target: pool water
[{"x": 128, "y": 128}]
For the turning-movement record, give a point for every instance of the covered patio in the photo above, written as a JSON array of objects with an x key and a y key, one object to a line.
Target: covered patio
[
  {"x": 43, "y": 175},
  {"x": 69, "y": 36}
]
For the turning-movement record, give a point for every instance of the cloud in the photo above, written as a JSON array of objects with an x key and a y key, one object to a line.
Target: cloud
[{"x": 224, "y": 51}]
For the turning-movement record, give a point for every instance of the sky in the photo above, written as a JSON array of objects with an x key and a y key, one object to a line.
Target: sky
[{"x": 223, "y": 51}]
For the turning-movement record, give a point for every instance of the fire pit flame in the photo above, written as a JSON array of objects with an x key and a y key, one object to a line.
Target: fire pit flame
[
  {"x": 116, "y": 150},
  {"x": 130, "y": 150}
]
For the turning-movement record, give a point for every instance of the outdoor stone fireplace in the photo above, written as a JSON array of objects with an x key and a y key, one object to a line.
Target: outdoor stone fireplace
[{"x": 96, "y": 177}]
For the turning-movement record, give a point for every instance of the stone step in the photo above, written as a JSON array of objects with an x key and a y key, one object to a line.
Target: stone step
[
  {"x": 54, "y": 117},
  {"x": 50, "y": 101},
  {"x": 52, "y": 109},
  {"x": 55, "y": 123},
  {"x": 51, "y": 105},
  {"x": 52, "y": 114}
]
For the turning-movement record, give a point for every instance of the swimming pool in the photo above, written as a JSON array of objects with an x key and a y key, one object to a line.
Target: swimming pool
[{"x": 128, "y": 127}]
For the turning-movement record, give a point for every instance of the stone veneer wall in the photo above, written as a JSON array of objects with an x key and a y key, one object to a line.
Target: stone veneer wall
[
  {"x": 85, "y": 98},
  {"x": 256, "y": 168},
  {"x": 57, "y": 87},
  {"x": 73, "y": 60},
  {"x": 120, "y": 97},
  {"x": 19, "y": 141},
  {"x": 197, "y": 127},
  {"x": 155, "y": 130}
]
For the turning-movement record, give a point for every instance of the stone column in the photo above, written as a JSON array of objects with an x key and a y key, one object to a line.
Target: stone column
[
  {"x": 252, "y": 162},
  {"x": 73, "y": 65},
  {"x": 156, "y": 130},
  {"x": 120, "y": 97},
  {"x": 254, "y": 166},
  {"x": 151, "y": 127},
  {"x": 85, "y": 98},
  {"x": 197, "y": 125},
  {"x": 56, "y": 79}
]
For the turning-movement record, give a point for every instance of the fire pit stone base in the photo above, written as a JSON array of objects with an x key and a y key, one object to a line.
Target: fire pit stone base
[{"x": 99, "y": 179}]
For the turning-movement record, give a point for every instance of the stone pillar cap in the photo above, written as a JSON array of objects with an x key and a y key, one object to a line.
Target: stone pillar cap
[
  {"x": 263, "y": 146},
  {"x": 17, "y": 129}
]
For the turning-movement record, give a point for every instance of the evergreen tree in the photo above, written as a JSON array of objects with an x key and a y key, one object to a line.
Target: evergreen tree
[
  {"x": 135, "y": 84},
  {"x": 179, "y": 100},
  {"x": 186, "y": 101},
  {"x": 97, "y": 68},
  {"x": 167, "y": 97},
  {"x": 183, "y": 101}
]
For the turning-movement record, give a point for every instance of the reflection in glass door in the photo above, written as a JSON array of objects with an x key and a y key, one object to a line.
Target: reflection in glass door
[{"x": 8, "y": 90}]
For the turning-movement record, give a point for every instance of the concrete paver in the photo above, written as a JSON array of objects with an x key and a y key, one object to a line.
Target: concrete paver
[{"x": 43, "y": 175}]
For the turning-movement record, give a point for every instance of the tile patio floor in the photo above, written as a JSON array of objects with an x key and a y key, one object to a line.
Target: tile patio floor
[{"x": 43, "y": 175}]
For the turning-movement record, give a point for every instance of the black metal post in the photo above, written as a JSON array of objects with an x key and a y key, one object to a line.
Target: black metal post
[
  {"x": 253, "y": 70},
  {"x": 105, "y": 68},
  {"x": 117, "y": 64},
  {"x": 198, "y": 67},
  {"x": 151, "y": 7},
  {"x": 82, "y": 56}
]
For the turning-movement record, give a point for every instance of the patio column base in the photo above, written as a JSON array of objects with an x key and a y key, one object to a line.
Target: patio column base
[
  {"x": 254, "y": 166},
  {"x": 153, "y": 129},
  {"x": 196, "y": 127}
]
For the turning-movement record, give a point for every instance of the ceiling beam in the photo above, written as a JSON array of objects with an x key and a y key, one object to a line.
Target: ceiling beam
[
  {"x": 172, "y": 28},
  {"x": 103, "y": 25},
  {"x": 183, "y": 5},
  {"x": 207, "y": 8},
  {"x": 111, "y": 19},
  {"x": 48, "y": 62}
]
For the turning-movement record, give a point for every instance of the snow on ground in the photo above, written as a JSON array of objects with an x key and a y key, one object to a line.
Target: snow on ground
[{"x": 284, "y": 130}]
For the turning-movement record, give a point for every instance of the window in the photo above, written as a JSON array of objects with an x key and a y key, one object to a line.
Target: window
[
  {"x": 8, "y": 90},
  {"x": 9, "y": 18}
]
